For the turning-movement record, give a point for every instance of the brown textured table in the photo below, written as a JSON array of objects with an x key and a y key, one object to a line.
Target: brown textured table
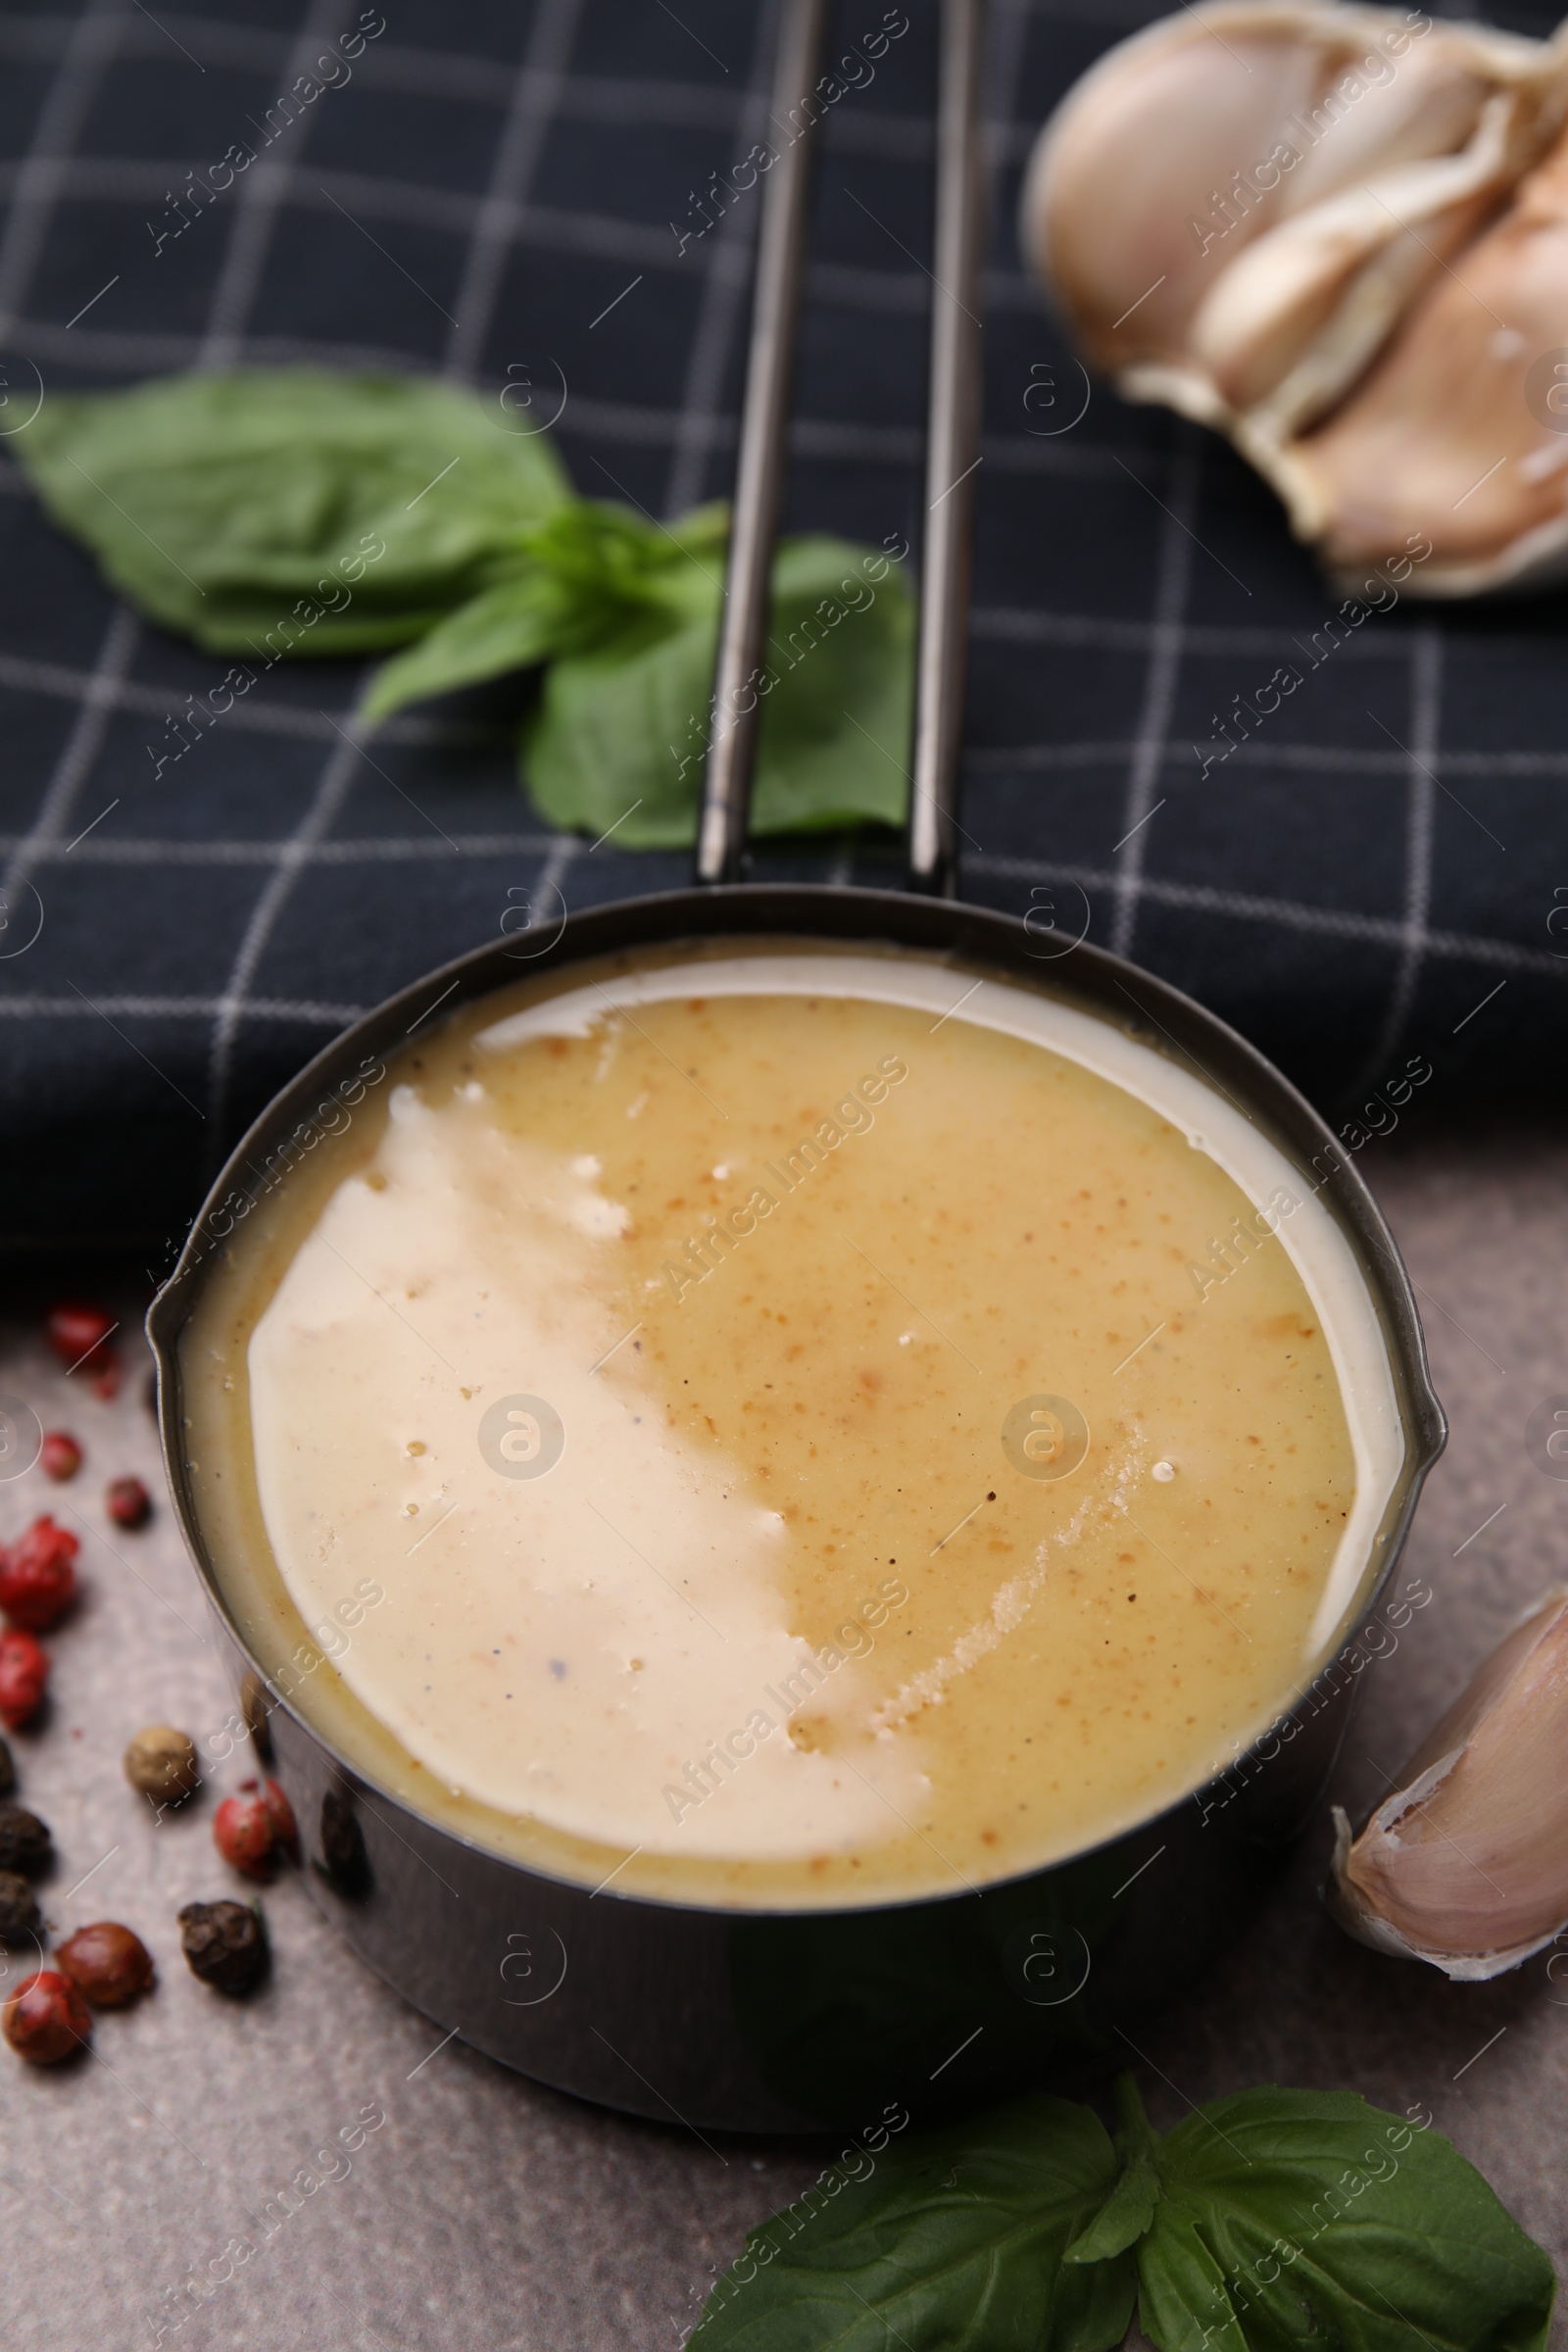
[{"x": 487, "y": 2213}]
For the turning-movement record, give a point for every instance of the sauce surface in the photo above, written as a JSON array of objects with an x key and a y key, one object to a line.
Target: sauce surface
[{"x": 816, "y": 1425}]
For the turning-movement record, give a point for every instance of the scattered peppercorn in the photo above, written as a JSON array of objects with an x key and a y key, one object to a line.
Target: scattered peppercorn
[
  {"x": 46, "y": 2019},
  {"x": 162, "y": 1762},
  {"x": 59, "y": 1455},
  {"x": 19, "y": 1912},
  {"x": 25, "y": 1842},
  {"x": 8, "y": 1770},
  {"x": 107, "y": 1965},
  {"x": 225, "y": 1943},
  {"x": 128, "y": 1502},
  {"x": 245, "y": 1835},
  {"x": 38, "y": 1575},
  {"x": 77, "y": 1333},
  {"x": 23, "y": 1679}
]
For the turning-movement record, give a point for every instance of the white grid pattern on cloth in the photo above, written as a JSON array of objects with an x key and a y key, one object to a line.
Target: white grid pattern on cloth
[
  {"x": 1006, "y": 625},
  {"x": 1424, "y": 723},
  {"x": 378, "y": 849},
  {"x": 554, "y": 31},
  {"x": 60, "y": 122},
  {"x": 332, "y": 791},
  {"x": 255, "y": 214},
  {"x": 697, "y": 428},
  {"x": 1025, "y": 758},
  {"x": 61, "y": 682},
  {"x": 535, "y": 103},
  {"x": 580, "y": 96},
  {"x": 824, "y": 440},
  {"x": 564, "y": 850},
  {"x": 1330, "y": 922},
  {"x": 41, "y": 176},
  {"x": 1242, "y": 906},
  {"x": 239, "y": 281},
  {"x": 95, "y": 700},
  {"x": 200, "y": 1008},
  {"x": 1172, "y": 578},
  {"x": 724, "y": 289},
  {"x": 501, "y": 218}
]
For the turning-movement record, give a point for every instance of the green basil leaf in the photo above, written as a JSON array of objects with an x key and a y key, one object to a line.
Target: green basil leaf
[
  {"x": 1130, "y": 2208},
  {"x": 837, "y": 728},
  {"x": 612, "y": 568},
  {"x": 229, "y": 506},
  {"x": 622, "y": 730},
  {"x": 1123, "y": 2219},
  {"x": 511, "y": 626},
  {"x": 615, "y": 740},
  {"x": 589, "y": 575},
  {"x": 952, "y": 2243},
  {"x": 1292, "y": 2218}
]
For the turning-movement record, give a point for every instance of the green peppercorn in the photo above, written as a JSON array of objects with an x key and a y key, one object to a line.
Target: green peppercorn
[
  {"x": 18, "y": 1913},
  {"x": 25, "y": 1842},
  {"x": 162, "y": 1762},
  {"x": 224, "y": 1945}
]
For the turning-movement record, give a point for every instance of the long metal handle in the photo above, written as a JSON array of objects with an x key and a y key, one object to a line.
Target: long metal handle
[
  {"x": 759, "y": 473},
  {"x": 953, "y": 434}
]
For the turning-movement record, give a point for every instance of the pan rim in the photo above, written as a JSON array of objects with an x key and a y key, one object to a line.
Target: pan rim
[{"x": 833, "y": 916}]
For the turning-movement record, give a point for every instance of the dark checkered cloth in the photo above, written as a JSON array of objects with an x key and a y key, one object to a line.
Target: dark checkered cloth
[{"x": 1368, "y": 877}]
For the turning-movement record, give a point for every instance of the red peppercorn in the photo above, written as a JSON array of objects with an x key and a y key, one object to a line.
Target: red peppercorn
[
  {"x": 107, "y": 1965},
  {"x": 128, "y": 1502},
  {"x": 104, "y": 1368},
  {"x": 77, "y": 1332},
  {"x": 246, "y": 1836},
  {"x": 61, "y": 1455},
  {"x": 23, "y": 1679},
  {"x": 46, "y": 2019},
  {"x": 37, "y": 1576}
]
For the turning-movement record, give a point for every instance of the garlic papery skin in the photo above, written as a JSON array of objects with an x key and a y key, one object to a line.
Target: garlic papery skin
[{"x": 1466, "y": 1865}]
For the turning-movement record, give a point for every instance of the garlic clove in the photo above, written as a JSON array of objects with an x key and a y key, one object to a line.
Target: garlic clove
[
  {"x": 1441, "y": 439},
  {"x": 1466, "y": 1865},
  {"x": 1359, "y": 323},
  {"x": 1261, "y": 315},
  {"x": 1427, "y": 103},
  {"x": 1115, "y": 175}
]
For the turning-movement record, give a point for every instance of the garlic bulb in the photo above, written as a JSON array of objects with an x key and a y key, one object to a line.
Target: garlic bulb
[
  {"x": 1271, "y": 215},
  {"x": 1466, "y": 1865}
]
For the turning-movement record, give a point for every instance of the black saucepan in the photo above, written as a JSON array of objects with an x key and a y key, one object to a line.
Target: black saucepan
[{"x": 805, "y": 2019}]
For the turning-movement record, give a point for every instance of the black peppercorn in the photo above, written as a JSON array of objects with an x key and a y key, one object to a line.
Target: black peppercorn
[
  {"x": 24, "y": 1839},
  {"x": 18, "y": 1913},
  {"x": 8, "y": 1771},
  {"x": 224, "y": 1945}
]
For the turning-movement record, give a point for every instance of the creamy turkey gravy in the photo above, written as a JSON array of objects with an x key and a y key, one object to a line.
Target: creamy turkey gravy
[{"x": 798, "y": 1413}]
